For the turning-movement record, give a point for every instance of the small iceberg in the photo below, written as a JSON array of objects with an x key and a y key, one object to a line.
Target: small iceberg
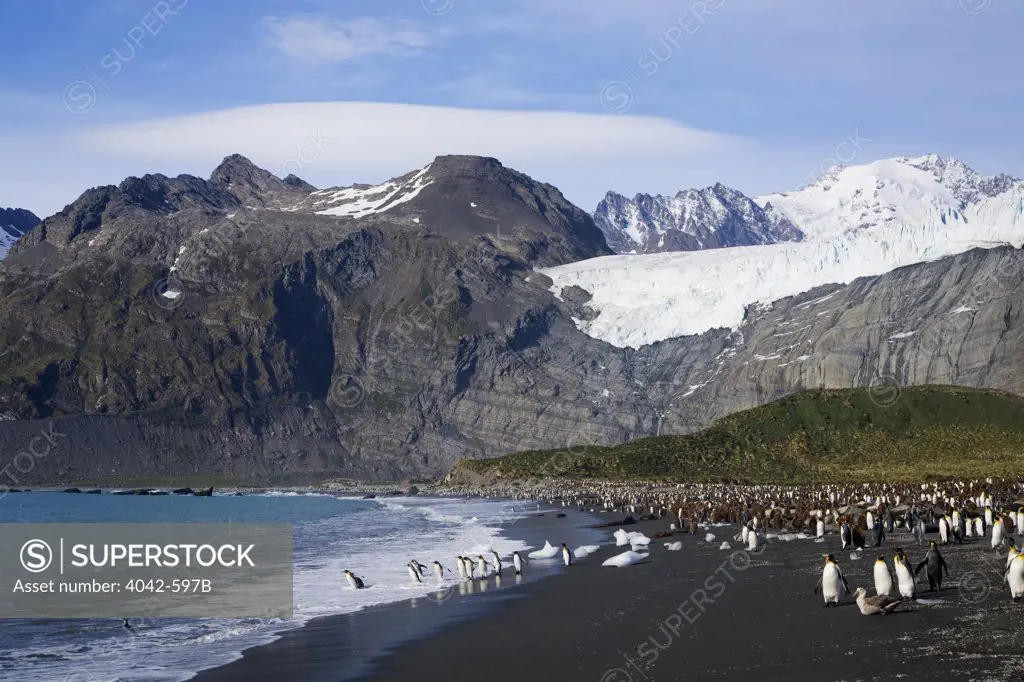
[
  {"x": 673, "y": 546},
  {"x": 724, "y": 546},
  {"x": 930, "y": 602},
  {"x": 709, "y": 538},
  {"x": 546, "y": 552},
  {"x": 585, "y": 551},
  {"x": 624, "y": 559}
]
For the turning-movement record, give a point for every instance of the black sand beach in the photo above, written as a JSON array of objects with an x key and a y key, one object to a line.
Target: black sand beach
[{"x": 697, "y": 614}]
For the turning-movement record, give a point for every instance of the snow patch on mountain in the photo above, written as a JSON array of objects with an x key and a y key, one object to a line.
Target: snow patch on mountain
[
  {"x": 359, "y": 201},
  {"x": 859, "y": 221}
]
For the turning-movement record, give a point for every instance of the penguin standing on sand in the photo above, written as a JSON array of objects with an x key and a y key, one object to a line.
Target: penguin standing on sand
[
  {"x": 353, "y": 581},
  {"x": 566, "y": 555},
  {"x": 997, "y": 532},
  {"x": 944, "y": 530},
  {"x": 883, "y": 578},
  {"x": 460, "y": 566},
  {"x": 858, "y": 538},
  {"x": 904, "y": 577},
  {"x": 1012, "y": 554},
  {"x": 879, "y": 532},
  {"x": 831, "y": 578},
  {"x": 497, "y": 563},
  {"x": 517, "y": 563},
  {"x": 936, "y": 566},
  {"x": 1015, "y": 577},
  {"x": 845, "y": 536}
]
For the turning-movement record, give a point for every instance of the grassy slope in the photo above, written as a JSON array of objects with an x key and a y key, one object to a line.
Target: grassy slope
[{"x": 813, "y": 437}]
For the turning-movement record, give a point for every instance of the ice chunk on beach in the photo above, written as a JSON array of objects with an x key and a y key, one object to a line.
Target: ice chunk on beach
[
  {"x": 585, "y": 551},
  {"x": 639, "y": 539},
  {"x": 548, "y": 551},
  {"x": 725, "y": 545},
  {"x": 624, "y": 559},
  {"x": 710, "y": 537},
  {"x": 674, "y": 546},
  {"x": 621, "y": 538}
]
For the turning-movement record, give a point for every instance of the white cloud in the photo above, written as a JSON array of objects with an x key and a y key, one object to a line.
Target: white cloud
[
  {"x": 340, "y": 142},
  {"x": 315, "y": 40}
]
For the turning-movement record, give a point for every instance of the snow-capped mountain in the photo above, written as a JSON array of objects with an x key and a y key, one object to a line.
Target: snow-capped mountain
[
  {"x": 14, "y": 222},
  {"x": 857, "y": 221},
  {"x": 693, "y": 219}
]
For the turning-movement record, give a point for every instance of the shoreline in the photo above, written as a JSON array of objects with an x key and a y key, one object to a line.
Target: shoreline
[{"x": 350, "y": 646}]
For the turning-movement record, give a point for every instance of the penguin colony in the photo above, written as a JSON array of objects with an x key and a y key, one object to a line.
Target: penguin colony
[{"x": 985, "y": 509}]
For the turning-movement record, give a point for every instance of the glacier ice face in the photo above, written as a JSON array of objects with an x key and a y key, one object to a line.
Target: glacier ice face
[{"x": 858, "y": 221}]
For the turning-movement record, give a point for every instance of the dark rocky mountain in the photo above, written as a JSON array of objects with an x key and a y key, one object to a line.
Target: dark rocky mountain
[
  {"x": 182, "y": 326},
  {"x": 692, "y": 220},
  {"x": 14, "y": 223}
]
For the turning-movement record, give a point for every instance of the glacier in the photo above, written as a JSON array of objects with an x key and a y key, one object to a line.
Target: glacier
[{"x": 857, "y": 221}]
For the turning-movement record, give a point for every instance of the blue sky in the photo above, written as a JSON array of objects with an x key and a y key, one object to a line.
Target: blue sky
[{"x": 590, "y": 95}]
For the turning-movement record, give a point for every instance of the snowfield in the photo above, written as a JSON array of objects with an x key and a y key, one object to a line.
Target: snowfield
[{"x": 859, "y": 221}]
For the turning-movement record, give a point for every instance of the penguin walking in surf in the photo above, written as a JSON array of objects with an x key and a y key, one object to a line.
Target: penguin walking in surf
[
  {"x": 566, "y": 555},
  {"x": 883, "y": 578},
  {"x": 460, "y": 566},
  {"x": 904, "y": 578},
  {"x": 517, "y": 563},
  {"x": 831, "y": 578},
  {"x": 936, "y": 566},
  {"x": 415, "y": 571},
  {"x": 439, "y": 571},
  {"x": 497, "y": 563},
  {"x": 354, "y": 582},
  {"x": 126, "y": 625}
]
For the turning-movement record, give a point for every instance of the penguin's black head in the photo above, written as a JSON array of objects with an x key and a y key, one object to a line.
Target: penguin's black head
[
  {"x": 881, "y": 557},
  {"x": 829, "y": 557}
]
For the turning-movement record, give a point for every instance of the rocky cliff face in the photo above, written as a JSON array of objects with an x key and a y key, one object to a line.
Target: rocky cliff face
[
  {"x": 692, "y": 220},
  {"x": 14, "y": 223},
  {"x": 170, "y": 326}
]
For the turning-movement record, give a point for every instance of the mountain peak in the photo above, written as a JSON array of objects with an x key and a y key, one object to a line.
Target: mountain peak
[{"x": 253, "y": 185}]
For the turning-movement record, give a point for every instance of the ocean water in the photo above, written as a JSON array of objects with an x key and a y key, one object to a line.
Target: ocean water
[{"x": 373, "y": 538}]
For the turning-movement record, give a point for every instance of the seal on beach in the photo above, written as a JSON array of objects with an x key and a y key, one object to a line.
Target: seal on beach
[
  {"x": 879, "y": 605},
  {"x": 883, "y": 578},
  {"x": 566, "y": 555},
  {"x": 904, "y": 577},
  {"x": 353, "y": 581},
  {"x": 936, "y": 565},
  {"x": 831, "y": 577},
  {"x": 1014, "y": 576}
]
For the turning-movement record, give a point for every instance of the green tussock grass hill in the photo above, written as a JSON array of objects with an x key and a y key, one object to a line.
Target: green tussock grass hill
[{"x": 825, "y": 436}]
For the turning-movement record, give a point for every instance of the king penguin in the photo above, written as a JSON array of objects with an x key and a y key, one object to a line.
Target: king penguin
[
  {"x": 353, "y": 581},
  {"x": 566, "y": 555},
  {"x": 497, "y": 563},
  {"x": 439, "y": 571},
  {"x": 944, "y": 530},
  {"x": 481, "y": 565},
  {"x": 831, "y": 578},
  {"x": 883, "y": 578},
  {"x": 997, "y": 532},
  {"x": 936, "y": 566},
  {"x": 517, "y": 563},
  {"x": 1015, "y": 577},
  {"x": 845, "y": 536},
  {"x": 414, "y": 571},
  {"x": 904, "y": 577}
]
